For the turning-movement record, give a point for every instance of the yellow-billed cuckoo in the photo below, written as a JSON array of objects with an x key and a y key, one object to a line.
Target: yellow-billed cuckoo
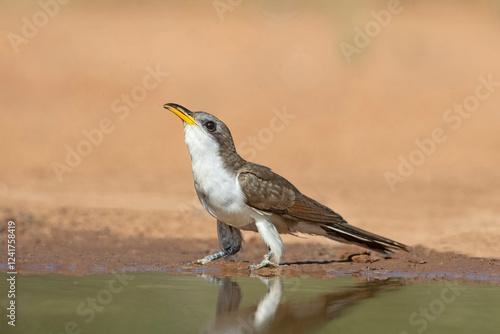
[{"x": 242, "y": 195}]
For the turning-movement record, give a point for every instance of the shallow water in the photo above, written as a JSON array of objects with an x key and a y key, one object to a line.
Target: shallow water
[{"x": 156, "y": 302}]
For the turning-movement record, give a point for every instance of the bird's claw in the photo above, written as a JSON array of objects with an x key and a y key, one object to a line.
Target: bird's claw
[
  {"x": 198, "y": 262},
  {"x": 266, "y": 262}
]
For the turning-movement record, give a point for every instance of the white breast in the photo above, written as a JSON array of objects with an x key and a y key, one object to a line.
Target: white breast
[{"x": 217, "y": 187}]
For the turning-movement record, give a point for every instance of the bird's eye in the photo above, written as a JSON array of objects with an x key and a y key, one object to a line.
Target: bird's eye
[{"x": 210, "y": 126}]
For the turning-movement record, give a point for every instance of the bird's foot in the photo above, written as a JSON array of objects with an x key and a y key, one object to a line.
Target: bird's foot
[
  {"x": 210, "y": 258},
  {"x": 266, "y": 262},
  {"x": 200, "y": 262}
]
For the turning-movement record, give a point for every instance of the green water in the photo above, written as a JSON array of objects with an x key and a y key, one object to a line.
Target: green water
[{"x": 155, "y": 302}]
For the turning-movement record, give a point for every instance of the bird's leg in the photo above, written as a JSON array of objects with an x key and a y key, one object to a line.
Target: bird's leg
[
  {"x": 271, "y": 237},
  {"x": 230, "y": 240},
  {"x": 212, "y": 257}
]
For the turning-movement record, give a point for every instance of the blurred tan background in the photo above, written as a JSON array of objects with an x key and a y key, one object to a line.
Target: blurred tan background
[{"x": 330, "y": 94}]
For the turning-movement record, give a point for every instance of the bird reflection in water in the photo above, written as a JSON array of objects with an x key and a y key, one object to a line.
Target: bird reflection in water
[{"x": 271, "y": 315}]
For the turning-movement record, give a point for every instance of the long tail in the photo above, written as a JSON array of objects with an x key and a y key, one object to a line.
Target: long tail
[{"x": 344, "y": 232}]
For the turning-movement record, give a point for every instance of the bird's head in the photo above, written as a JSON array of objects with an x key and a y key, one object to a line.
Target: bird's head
[{"x": 203, "y": 131}]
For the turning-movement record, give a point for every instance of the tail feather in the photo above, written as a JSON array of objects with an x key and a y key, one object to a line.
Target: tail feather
[{"x": 347, "y": 233}]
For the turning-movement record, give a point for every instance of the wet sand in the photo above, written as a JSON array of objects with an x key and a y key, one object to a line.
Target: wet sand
[{"x": 80, "y": 252}]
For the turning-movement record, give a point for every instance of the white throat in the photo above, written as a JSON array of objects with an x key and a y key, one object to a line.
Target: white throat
[{"x": 218, "y": 188}]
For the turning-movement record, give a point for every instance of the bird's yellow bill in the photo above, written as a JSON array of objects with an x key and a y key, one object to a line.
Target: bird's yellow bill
[{"x": 181, "y": 113}]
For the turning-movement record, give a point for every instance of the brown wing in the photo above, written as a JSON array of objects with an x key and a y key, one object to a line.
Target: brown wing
[
  {"x": 269, "y": 192},
  {"x": 307, "y": 209},
  {"x": 265, "y": 190}
]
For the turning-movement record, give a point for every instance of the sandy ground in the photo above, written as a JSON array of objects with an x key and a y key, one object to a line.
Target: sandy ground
[
  {"x": 93, "y": 80},
  {"x": 45, "y": 248}
]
